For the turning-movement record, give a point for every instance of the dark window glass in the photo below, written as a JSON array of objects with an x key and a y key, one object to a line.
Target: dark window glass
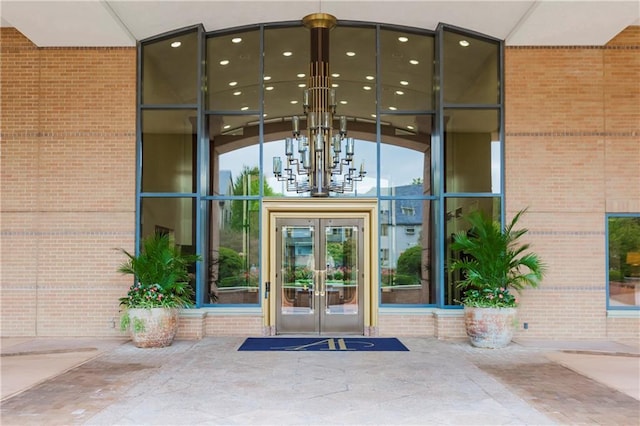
[
  {"x": 233, "y": 72},
  {"x": 455, "y": 210},
  {"x": 406, "y": 250},
  {"x": 472, "y": 151},
  {"x": 471, "y": 69},
  {"x": 232, "y": 276},
  {"x": 406, "y": 71},
  {"x": 168, "y": 150},
  {"x": 405, "y": 153},
  {"x": 170, "y": 74},
  {"x": 623, "y": 235}
]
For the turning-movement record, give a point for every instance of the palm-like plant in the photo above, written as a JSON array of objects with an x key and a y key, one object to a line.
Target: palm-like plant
[
  {"x": 161, "y": 274},
  {"x": 495, "y": 261}
]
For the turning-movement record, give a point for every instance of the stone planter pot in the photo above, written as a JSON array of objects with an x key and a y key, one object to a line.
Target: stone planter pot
[
  {"x": 491, "y": 328},
  {"x": 153, "y": 328}
]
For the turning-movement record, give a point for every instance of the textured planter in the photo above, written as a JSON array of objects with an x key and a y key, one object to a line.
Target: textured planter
[
  {"x": 153, "y": 328},
  {"x": 490, "y": 327}
]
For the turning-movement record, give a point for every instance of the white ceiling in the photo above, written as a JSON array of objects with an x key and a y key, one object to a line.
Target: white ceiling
[{"x": 122, "y": 22}]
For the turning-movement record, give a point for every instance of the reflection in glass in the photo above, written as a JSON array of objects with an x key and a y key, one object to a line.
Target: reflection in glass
[
  {"x": 455, "y": 210},
  {"x": 406, "y": 242},
  {"x": 168, "y": 150},
  {"x": 341, "y": 272},
  {"x": 405, "y": 153},
  {"x": 170, "y": 74},
  {"x": 472, "y": 150},
  {"x": 234, "y": 154},
  {"x": 232, "y": 270},
  {"x": 406, "y": 71},
  {"x": 233, "y": 64},
  {"x": 471, "y": 73},
  {"x": 298, "y": 268},
  {"x": 624, "y": 261}
]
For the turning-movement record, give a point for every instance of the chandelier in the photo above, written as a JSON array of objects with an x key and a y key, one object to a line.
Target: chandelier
[{"x": 322, "y": 160}]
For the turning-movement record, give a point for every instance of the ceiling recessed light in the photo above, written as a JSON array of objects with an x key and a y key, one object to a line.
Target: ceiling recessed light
[
  {"x": 463, "y": 43},
  {"x": 268, "y": 88},
  {"x": 403, "y": 39},
  {"x": 414, "y": 62},
  {"x": 410, "y": 127},
  {"x": 226, "y": 126},
  {"x": 399, "y": 92},
  {"x": 373, "y": 115},
  {"x": 370, "y": 77},
  {"x": 301, "y": 75},
  {"x": 335, "y": 85},
  {"x": 302, "y": 85},
  {"x": 293, "y": 102},
  {"x": 267, "y": 77},
  {"x": 343, "y": 102},
  {"x": 238, "y": 93},
  {"x": 351, "y": 53},
  {"x": 393, "y": 108},
  {"x": 404, "y": 83},
  {"x": 264, "y": 115},
  {"x": 366, "y": 87},
  {"x": 236, "y": 40},
  {"x": 233, "y": 83},
  {"x": 224, "y": 62},
  {"x": 335, "y": 75},
  {"x": 287, "y": 53},
  {"x": 244, "y": 108},
  {"x": 176, "y": 44}
]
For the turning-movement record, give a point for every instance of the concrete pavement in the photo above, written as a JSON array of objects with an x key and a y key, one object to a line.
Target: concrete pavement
[{"x": 110, "y": 382}]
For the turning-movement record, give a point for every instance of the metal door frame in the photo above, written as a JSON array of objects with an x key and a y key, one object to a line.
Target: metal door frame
[{"x": 364, "y": 208}]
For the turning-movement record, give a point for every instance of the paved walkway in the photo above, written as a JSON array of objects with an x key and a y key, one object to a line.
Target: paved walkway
[{"x": 210, "y": 382}]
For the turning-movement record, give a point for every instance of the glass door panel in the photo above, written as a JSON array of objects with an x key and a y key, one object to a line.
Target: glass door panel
[{"x": 319, "y": 276}]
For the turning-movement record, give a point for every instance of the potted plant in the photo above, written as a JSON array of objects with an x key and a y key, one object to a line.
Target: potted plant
[
  {"x": 492, "y": 263},
  {"x": 160, "y": 289}
]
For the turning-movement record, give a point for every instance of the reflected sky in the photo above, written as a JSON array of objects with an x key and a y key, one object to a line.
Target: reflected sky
[{"x": 402, "y": 166}]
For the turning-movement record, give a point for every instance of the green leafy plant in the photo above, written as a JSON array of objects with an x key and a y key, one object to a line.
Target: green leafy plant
[
  {"x": 494, "y": 261},
  {"x": 161, "y": 275}
]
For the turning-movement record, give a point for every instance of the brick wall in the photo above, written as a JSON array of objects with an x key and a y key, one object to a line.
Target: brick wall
[
  {"x": 573, "y": 155},
  {"x": 67, "y": 184}
]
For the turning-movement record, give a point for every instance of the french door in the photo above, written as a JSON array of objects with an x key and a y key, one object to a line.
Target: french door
[{"x": 319, "y": 276}]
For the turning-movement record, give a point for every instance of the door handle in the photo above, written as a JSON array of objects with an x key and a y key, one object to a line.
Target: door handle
[{"x": 319, "y": 281}]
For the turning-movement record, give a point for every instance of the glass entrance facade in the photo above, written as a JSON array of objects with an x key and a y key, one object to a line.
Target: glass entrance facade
[{"x": 425, "y": 110}]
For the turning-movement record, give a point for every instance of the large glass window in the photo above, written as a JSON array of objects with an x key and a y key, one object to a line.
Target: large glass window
[
  {"x": 471, "y": 69},
  {"x": 170, "y": 70},
  {"x": 406, "y": 249},
  {"x": 455, "y": 211},
  {"x": 623, "y": 237},
  {"x": 405, "y": 153},
  {"x": 168, "y": 150},
  {"x": 406, "y": 71},
  {"x": 233, "y": 68},
  {"x": 232, "y": 258},
  {"x": 234, "y": 151},
  {"x": 472, "y": 150},
  {"x": 425, "y": 125}
]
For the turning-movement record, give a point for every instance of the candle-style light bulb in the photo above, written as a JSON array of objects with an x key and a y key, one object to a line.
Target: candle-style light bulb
[
  {"x": 343, "y": 125},
  {"x": 312, "y": 120},
  {"x": 350, "y": 146},
  {"x": 295, "y": 123},
  {"x": 277, "y": 166},
  {"x": 288, "y": 147}
]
